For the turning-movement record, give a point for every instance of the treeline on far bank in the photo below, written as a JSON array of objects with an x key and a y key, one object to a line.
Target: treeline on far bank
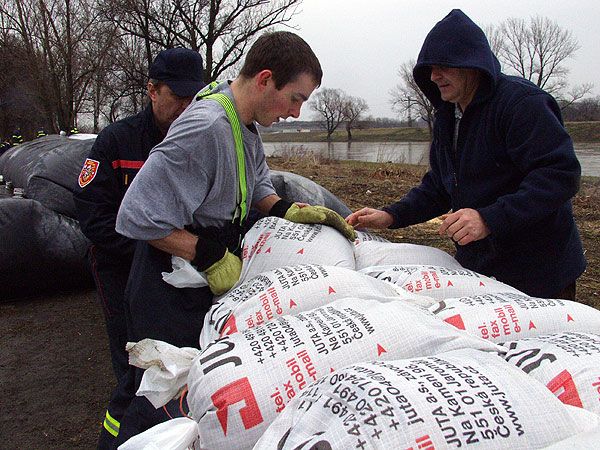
[{"x": 579, "y": 131}]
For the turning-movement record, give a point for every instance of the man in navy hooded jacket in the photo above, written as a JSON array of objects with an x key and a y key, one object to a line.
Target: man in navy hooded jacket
[{"x": 500, "y": 161}]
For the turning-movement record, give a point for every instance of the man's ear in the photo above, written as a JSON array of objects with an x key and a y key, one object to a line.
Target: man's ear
[
  {"x": 263, "y": 77},
  {"x": 152, "y": 91}
]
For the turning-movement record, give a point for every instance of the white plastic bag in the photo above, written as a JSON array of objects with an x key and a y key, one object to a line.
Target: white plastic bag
[
  {"x": 175, "y": 434},
  {"x": 184, "y": 275},
  {"x": 166, "y": 367}
]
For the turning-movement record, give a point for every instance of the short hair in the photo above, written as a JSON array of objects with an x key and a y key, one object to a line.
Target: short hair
[{"x": 285, "y": 54}]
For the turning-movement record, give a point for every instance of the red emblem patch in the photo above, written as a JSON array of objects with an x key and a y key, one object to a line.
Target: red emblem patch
[{"x": 88, "y": 172}]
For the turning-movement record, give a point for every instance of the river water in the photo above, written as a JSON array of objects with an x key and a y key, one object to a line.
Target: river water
[{"x": 405, "y": 152}]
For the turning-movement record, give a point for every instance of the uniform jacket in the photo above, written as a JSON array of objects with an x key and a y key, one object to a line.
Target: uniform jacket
[
  {"x": 513, "y": 162},
  {"x": 120, "y": 151}
]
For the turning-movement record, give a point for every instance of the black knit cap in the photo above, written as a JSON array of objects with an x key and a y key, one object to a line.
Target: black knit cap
[{"x": 181, "y": 69}]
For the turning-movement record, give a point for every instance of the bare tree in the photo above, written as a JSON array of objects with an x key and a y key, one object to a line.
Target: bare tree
[
  {"x": 536, "y": 50},
  {"x": 19, "y": 107},
  {"x": 329, "y": 107},
  {"x": 573, "y": 95},
  {"x": 220, "y": 29},
  {"x": 586, "y": 110},
  {"x": 406, "y": 97},
  {"x": 353, "y": 108},
  {"x": 494, "y": 37},
  {"x": 64, "y": 42}
]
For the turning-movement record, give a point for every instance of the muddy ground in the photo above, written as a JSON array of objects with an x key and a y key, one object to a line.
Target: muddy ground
[{"x": 55, "y": 372}]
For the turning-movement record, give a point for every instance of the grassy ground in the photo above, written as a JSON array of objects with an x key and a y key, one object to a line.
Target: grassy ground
[
  {"x": 360, "y": 184},
  {"x": 579, "y": 131}
]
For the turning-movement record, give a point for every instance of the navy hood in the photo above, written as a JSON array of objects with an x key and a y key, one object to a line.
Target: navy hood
[{"x": 456, "y": 41}]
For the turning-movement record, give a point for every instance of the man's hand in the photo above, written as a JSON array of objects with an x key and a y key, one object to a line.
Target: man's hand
[
  {"x": 464, "y": 226},
  {"x": 371, "y": 218},
  {"x": 302, "y": 213},
  {"x": 221, "y": 267},
  {"x": 223, "y": 274}
]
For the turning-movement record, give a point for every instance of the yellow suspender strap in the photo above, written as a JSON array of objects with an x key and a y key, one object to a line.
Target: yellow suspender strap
[{"x": 236, "y": 129}]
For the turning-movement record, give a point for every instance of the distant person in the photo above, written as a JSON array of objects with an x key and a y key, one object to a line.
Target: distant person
[
  {"x": 5, "y": 146},
  {"x": 189, "y": 199},
  {"x": 500, "y": 161},
  {"x": 63, "y": 133},
  {"x": 74, "y": 130},
  {"x": 40, "y": 133},
  {"x": 17, "y": 137},
  {"x": 114, "y": 160}
]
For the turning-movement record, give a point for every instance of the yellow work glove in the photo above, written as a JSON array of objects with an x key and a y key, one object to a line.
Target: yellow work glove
[
  {"x": 223, "y": 274},
  {"x": 322, "y": 215},
  {"x": 221, "y": 267}
]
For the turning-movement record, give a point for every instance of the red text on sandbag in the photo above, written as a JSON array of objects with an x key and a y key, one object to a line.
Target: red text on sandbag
[
  {"x": 230, "y": 395},
  {"x": 563, "y": 386},
  {"x": 423, "y": 443}
]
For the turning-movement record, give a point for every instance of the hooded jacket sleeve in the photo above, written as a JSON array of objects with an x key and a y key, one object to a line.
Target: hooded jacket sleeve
[
  {"x": 542, "y": 151},
  {"x": 423, "y": 202}
]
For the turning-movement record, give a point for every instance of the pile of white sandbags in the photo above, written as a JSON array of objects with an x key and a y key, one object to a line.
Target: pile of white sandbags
[
  {"x": 261, "y": 369},
  {"x": 463, "y": 398},
  {"x": 370, "y": 344},
  {"x": 290, "y": 290}
]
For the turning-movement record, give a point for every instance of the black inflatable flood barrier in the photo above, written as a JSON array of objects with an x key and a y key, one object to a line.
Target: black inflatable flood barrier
[
  {"x": 47, "y": 169},
  {"x": 42, "y": 248},
  {"x": 293, "y": 187}
]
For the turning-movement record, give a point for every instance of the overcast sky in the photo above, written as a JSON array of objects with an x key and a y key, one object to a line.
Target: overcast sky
[{"x": 361, "y": 44}]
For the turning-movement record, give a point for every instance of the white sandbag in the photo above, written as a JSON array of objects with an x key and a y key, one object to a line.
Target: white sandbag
[
  {"x": 508, "y": 316},
  {"x": 567, "y": 363},
  {"x": 274, "y": 242},
  {"x": 240, "y": 383},
  {"x": 373, "y": 253},
  {"x": 367, "y": 236},
  {"x": 464, "y": 398},
  {"x": 438, "y": 282},
  {"x": 290, "y": 290},
  {"x": 588, "y": 440},
  {"x": 175, "y": 434}
]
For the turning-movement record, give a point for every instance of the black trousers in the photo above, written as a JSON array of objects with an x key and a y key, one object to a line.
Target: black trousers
[
  {"x": 157, "y": 310},
  {"x": 110, "y": 274}
]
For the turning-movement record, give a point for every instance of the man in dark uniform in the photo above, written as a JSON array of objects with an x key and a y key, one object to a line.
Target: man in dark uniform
[{"x": 117, "y": 155}]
